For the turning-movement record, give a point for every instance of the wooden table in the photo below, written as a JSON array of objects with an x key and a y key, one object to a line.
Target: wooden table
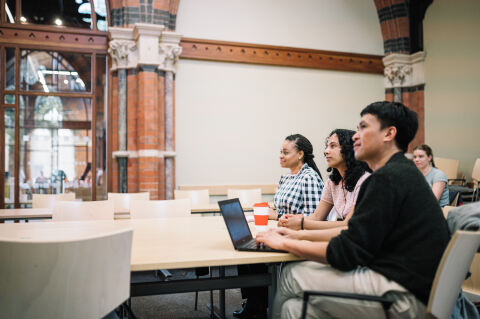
[
  {"x": 214, "y": 208},
  {"x": 18, "y": 214},
  {"x": 46, "y": 213},
  {"x": 172, "y": 243}
]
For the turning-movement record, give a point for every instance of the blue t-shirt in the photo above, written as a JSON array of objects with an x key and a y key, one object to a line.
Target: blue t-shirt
[{"x": 435, "y": 175}]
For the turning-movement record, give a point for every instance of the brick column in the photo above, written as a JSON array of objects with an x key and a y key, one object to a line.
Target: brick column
[
  {"x": 405, "y": 83},
  {"x": 144, "y": 59},
  {"x": 121, "y": 49},
  {"x": 402, "y": 32},
  {"x": 170, "y": 51}
]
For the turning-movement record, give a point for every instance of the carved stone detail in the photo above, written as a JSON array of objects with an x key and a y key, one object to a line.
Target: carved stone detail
[
  {"x": 120, "y": 50},
  {"x": 404, "y": 70},
  {"x": 169, "y": 55},
  {"x": 169, "y": 51},
  {"x": 396, "y": 74}
]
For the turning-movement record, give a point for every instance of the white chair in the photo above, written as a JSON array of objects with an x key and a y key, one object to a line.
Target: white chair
[
  {"x": 85, "y": 278},
  {"x": 121, "y": 201},
  {"x": 48, "y": 200},
  {"x": 63, "y": 211},
  {"x": 199, "y": 198},
  {"x": 160, "y": 208},
  {"x": 450, "y": 274},
  {"x": 247, "y": 197}
]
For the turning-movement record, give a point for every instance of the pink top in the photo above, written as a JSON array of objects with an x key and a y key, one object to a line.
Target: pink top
[{"x": 334, "y": 194}]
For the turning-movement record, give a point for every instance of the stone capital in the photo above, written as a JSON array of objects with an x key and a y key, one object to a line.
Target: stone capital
[
  {"x": 404, "y": 70},
  {"x": 122, "y": 48},
  {"x": 123, "y": 54},
  {"x": 169, "y": 51}
]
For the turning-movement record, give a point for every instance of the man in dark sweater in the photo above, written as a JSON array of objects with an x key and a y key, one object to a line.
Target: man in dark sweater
[{"x": 393, "y": 242}]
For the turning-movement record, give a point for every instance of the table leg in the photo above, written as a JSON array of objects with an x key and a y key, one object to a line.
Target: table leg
[
  {"x": 273, "y": 271},
  {"x": 221, "y": 296}
]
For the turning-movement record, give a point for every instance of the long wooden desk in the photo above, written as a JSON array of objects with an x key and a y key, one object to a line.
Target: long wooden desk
[
  {"x": 17, "y": 214},
  {"x": 166, "y": 244},
  {"x": 46, "y": 213}
]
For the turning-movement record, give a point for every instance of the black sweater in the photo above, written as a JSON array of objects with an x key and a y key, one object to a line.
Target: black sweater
[{"x": 397, "y": 229}]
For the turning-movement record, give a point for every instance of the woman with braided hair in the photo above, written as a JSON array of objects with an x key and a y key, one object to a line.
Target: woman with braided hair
[
  {"x": 299, "y": 191},
  {"x": 342, "y": 187}
]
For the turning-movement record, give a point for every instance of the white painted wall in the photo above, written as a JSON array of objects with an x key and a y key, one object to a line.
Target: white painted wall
[
  {"x": 337, "y": 25},
  {"x": 452, "y": 75},
  {"x": 232, "y": 118}
]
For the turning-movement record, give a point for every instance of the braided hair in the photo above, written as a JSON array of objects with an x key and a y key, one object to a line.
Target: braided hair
[
  {"x": 303, "y": 144},
  {"x": 355, "y": 169}
]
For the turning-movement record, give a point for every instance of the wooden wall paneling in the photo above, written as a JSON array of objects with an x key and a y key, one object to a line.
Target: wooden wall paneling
[{"x": 222, "y": 51}]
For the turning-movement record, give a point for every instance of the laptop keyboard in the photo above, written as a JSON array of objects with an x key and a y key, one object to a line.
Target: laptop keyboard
[{"x": 253, "y": 245}]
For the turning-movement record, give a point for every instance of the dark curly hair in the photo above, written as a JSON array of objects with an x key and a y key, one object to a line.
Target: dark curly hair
[
  {"x": 303, "y": 144},
  {"x": 355, "y": 169}
]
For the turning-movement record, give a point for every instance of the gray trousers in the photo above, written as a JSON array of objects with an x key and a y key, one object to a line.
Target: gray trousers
[{"x": 307, "y": 275}]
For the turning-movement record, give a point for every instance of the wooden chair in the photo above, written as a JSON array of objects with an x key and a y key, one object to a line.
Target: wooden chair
[
  {"x": 471, "y": 286},
  {"x": 160, "y": 208},
  {"x": 470, "y": 192},
  {"x": 63, "y": 211},
  {"x": 448, "y": 166},
  {"x": 83, "y": 278},
  {"x": 247, "y": 197},
  {"x": 121, "y": 201},
  {"x": 199, "y": 198},
  {"x": 48, "y": 200},
  {"x": 446, "y": 210},
  {"x": 451, "y": 273}
]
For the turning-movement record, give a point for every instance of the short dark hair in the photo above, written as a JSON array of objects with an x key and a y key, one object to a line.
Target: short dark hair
[{"x": 395, "y": 114}]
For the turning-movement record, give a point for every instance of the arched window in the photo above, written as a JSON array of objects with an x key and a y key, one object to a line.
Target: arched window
[{"x": 53, "y": 104}]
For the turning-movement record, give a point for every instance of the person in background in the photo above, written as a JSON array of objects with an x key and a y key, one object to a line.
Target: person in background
[
  {"x": 299, "y": 192},
  {"x": 423, "y": 159},
  {"x": 341, "y": 190}
]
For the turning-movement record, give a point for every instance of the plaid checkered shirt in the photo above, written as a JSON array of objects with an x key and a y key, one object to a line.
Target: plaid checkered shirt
[{"x": 298, "y": 193}]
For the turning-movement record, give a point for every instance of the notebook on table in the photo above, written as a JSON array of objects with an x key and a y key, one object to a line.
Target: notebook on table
[{"x": 238, "y": 229}]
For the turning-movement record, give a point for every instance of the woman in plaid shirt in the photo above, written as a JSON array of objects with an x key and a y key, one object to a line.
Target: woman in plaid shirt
[{"x": 300, "y": 191}]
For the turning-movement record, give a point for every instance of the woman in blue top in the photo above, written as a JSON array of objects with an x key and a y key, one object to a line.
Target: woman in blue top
[{"x": 423, "y": 159}]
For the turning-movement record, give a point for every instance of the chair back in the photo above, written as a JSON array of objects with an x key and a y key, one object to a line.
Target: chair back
[
  {"x": 71, "y": 211},
  {"x": 198, "y": 198},
  {"x": 83, "y": 278},
  {"x": 140, "y": 209},
  {"x": 476, "y": 171},
  {"x": 121, "y": 201},
  {"x": 47, "y": 200},
  {"x": 247, "y": 197},
  {"x": 451, "y": 273},
  {"x": 448, "y": 166},
  {"x": 446, "y": 210}
]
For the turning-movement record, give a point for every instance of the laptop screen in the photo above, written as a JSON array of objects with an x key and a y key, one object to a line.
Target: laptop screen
[{"x": 235, "y": 220}]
